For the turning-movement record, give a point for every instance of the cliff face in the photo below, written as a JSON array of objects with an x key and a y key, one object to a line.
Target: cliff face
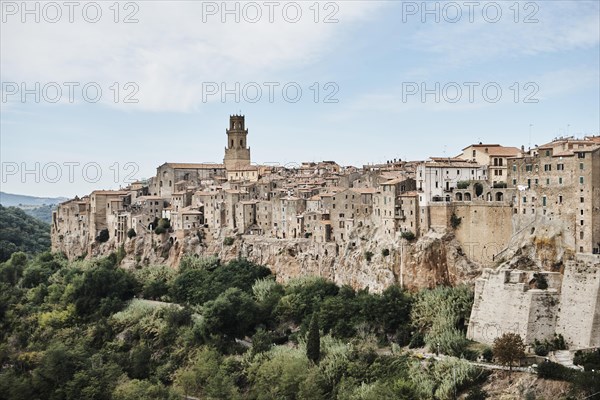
[{"x": 367, "y": 260}]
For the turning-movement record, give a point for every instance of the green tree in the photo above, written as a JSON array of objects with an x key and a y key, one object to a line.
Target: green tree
[
  {"x": 103, "y": 236},
  {"x": 103, "y": 289},
  {"x": 508, "y": 349},
  {"x": 131, "y": 233},
  {"x": 232, "y": 314},
  {"x": 135, "y": 389},
  {"x": 21, "y": 232},
  {"x": 313, "y": 340}
]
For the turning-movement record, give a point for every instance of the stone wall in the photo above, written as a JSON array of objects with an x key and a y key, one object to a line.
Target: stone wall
[
  {"x": 506, "y": 302},
  {"x": 485, "y": 229},
  {"x": 579, "y": 318}
]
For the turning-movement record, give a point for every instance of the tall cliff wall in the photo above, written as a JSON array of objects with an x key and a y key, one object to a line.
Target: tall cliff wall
[
  {"x": 579, "y": 317},
  {"x": 432, "y": 260},
  {"x": 507, "y": 301}
]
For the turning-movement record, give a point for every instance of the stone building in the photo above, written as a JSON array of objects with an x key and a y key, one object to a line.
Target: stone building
[
  {"x": 170, "y": 173},
  {"x": 237, "y": 153},
  {"x": 561, "y": 181},
  {"x": 494, "y": 156}
]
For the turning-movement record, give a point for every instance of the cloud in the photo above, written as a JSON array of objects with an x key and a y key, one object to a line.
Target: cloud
[
  {"x": 170, "y": 52},
  {"x": 553, "y": 26}
]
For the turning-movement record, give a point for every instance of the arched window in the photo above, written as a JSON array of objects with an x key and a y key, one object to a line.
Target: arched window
[
  {"x": 241, "y": 142},
  {"x": 499, "y": 196},
  {"x": 459, "y": 196}
]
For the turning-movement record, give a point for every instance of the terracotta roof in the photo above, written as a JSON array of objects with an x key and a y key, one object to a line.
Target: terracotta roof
[
  {"x": 394, "y": 181},
  {"x": 482, "y": 145},
  {"x": 110, "y": 192},
  {"x": 244, "y": 168},
  {"x": 193, "y": 165},
  {"x": 504, "y": 151},
  {"x": 364, "y": 190}
]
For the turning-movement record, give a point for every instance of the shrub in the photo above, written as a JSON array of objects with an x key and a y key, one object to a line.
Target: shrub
[
  {"x": 103, "y": 236},
  {"x": 541, "y": 350},
  {"x": 540, "y": 281},
  {"x": 463, "y": 184},
  {"x": 131, "y": 233},
  {"x": 161, "y": 225},
  {"x": 477, "y": 394},
  {"x": 368, "y": 255},
  {"x": 589, "y": 361},
  {"x": 385, "y": 252},
  {"x": 455, "y": 221},
  {"x": 499, "y": 185},
  {"x": 228, "y": 241},
  {"x": 408, "y": 235},
  {"x": 487, "y": 354},
  {"x": 478, "y": 189},
  {"x": 554, "y": 371}
]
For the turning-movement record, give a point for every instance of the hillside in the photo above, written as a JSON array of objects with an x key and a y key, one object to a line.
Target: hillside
[
  {"x": 9, "y": 199},
  {"x": 42, "y": 213},
  {"x": 21, "y": 232},
  {"x": 211, "y": 330}
]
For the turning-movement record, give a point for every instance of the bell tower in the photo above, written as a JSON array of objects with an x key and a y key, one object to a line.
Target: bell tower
[{"x": 237, "y": 153}]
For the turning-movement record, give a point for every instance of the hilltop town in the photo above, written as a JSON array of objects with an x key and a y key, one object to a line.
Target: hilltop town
[{"x": 505, "y": 217}]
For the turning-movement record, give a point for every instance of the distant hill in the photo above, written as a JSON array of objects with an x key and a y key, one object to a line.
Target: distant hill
[
  {"x": 43, "y": 213},
  {"x": 9, "y": 199},
  {"x": 21, "y": 232}
]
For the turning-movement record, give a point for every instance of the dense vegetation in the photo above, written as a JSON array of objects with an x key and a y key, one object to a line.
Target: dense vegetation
[
  {"x": 42, "y": 213},
  {"x": 21, "y": 232},
  {"x": 92, "y": 330}
]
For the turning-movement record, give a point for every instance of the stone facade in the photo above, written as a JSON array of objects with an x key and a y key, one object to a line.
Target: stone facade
[{"x": 508, "y": 301}]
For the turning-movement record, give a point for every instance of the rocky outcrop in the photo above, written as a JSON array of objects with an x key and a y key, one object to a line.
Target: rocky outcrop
[{"x": 368, "y": 259}]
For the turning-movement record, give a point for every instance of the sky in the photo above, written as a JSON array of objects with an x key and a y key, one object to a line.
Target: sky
[{"x": 98, "y": 94}]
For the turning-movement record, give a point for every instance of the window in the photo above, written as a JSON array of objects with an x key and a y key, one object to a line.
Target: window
[
  {"x": 524, "y": 199},
  {"x": 544, "y": 201},
  {"x": 560, "y": 181},
  {"x": 547, "y": 153},
  {"x": 514, "y": 181},
  {"x": 560, "y": 199},
  {"x": 547, "y": 181},
  {"x": 547, "y": 167},
  {"x": 528, "y": 168},
  {"x": 581, "y": 235},
  {"x": 581, "y": 180},
  {"x": 581, "y": 199},
  {"x": 580, "y": 155},
  {"x": 474, "y": 153},
  {"x": 515, "y": 167},
  {"x": 581, "y": 166},
  {"x": 560, "y": 167}
]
